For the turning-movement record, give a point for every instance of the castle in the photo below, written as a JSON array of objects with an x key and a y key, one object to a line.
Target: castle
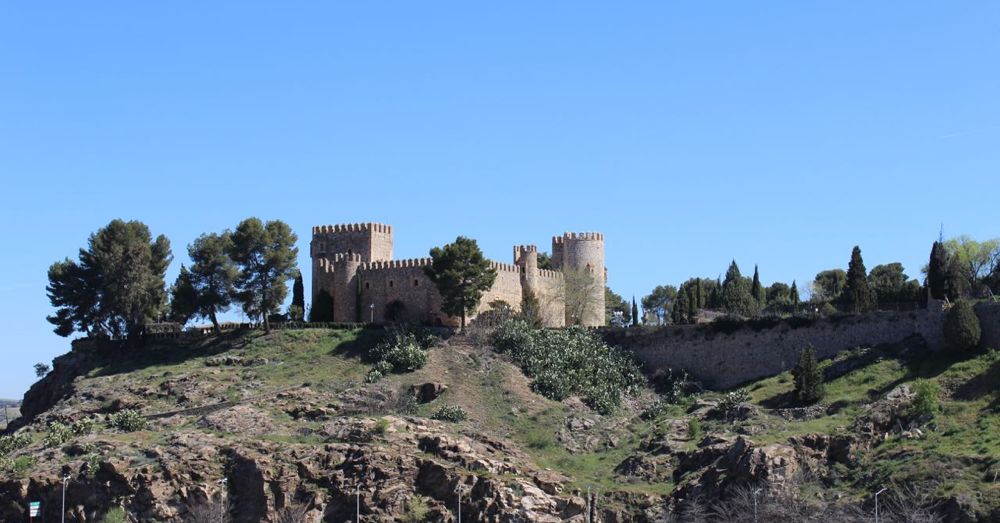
[{"x": 353, "y": 263}]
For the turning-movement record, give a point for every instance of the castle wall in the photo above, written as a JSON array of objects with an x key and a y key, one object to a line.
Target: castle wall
[
  {"x": 724, "y": 360},
  {"x": 382, "y": 283},
  {"x": 550, "y": 295},
  {"x": 584, "y": 253},
  {"x": 989, "y": 322},
  {"x": 506, "y": 287},
  {"x": 372, "y": 241}
]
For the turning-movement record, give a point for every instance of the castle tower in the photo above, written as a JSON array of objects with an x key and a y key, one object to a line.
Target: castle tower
[
  {"x": 345, "y": 287},
  {"x": 526, "y": 257},
  {"x": 370, "y": 241},
  {"x": 581, "y": 258}
]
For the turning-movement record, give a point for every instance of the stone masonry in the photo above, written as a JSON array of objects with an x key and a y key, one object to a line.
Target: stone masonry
[{"x": 355, "y": 265}]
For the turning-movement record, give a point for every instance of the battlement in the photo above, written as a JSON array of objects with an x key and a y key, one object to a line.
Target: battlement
[
  {"x": 505, "y": 267},
  {"x": 342, "y": 257},
  {"x": 352, "y": 227},
  {"x": 545, "y": 273},
  {"x": 592, "y": 236},
  {"x": 518, "y": 249},
  {"x": 396, "y": 264},
  {"x": 324, "y": 265}
]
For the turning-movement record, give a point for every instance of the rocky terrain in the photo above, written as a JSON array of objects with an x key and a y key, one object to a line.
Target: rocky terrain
[{"x": 274, "y": 426}]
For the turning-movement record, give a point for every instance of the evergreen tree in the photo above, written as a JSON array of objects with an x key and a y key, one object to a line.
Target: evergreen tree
[
  {"x": 208, "y": 288},
  {"x": 808, "y": 377},
  {"x": 613, "y": 303},
  {"x": 962, "y": 330},
  {"x": 793, "y": 295},
  {"x": 265, "y": 254},
  {"x": 531, "y": 310},
  {"x": 857, "y": 296},
  {"x": 955, "y": 283},
  {"x": 298, "y": 306},
  {"x": 680, "y": 311},
  {"x": 660, "y": 301},
  {"x": 937, "y": 269},
  {"x": 322, "y": 307},
  {"x": 116, "y": 287},
  {"x": 736, "y": 298},
  {"x": 635, "y": 312},
  {"x": 462, "y": 274},
  {"x": 756, "y": 290},
  {"x": 183, "y": 297}
]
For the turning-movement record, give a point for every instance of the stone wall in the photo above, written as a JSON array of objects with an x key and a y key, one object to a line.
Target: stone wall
[
  {"x": 989, "y": 322},
  {"x": 724, "y": 360}
]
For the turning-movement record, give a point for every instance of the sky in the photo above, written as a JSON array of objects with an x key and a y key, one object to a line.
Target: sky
[{"x": 690, "y": 133}]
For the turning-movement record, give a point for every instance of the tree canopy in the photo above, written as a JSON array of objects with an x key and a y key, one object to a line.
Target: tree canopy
[
  {"x": 208, "y": 288},
  {"x": 660, "y": 301},
  {"x": 266, "y": 256},
  {"x": 462, "y": 274},
  {"x": 116, "y": 287},
  {"x": 828, "y": 285},
  {"x": 857, "y": 296},
  {"x": 736, "y": 297}
]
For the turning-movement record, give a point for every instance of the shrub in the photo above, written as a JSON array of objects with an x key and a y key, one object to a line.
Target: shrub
[
  {"x": 41, "y": 369},
  {"x": 406, "y": 404},
  {"x": 56, "y": 434},
  {"x": 961, "y": 326},
  {"x": 381, "y": 426},
  {"x": 12, "y": 442},
  {"x": 655, "y": 410},
  {"x": 569, "y": 362},
  {"x": 115, "y": 515},
  {"x": 452, "y": 413},
  {"x": 925, "y": 403},
  {"x": 730, "y": 404},
  {"x": 694, "y": 428},
  {"x": 808, "y": 377},
  {"x": 403, "y": 352},
  {"x": 127, "y": 420},
  {"x": 379, "y": 371},
  {"x": 416, "y": 510}
]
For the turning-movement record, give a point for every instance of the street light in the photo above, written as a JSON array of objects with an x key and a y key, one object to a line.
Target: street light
[
  {"x": 65, "y": 480},
  {"x": 756, "y": 492},
  {"x": 372, "y": 307},
  {"x": 222, "y": 499},
  {"x": 876, "y": 503},
  {"x": 357, "y": 498},
  {"x": 589, "y": 511},
  {"x": 459, "y": 490}
]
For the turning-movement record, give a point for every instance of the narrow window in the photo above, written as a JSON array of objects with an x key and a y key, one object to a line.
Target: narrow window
[
  {"x": 368, "y": 285},
  {"x": 390, "y": 283},
  {"x": 416, "y": 283}
]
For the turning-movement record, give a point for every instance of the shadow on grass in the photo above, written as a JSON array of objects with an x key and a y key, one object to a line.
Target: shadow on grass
[
  {"x": 122, "y": 360},
  {"x": 981, "y": 385},
  {"x": 360, "y": 347}
]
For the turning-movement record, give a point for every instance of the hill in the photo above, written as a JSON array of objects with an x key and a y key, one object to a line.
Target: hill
[{"x": 289, "y": 422}]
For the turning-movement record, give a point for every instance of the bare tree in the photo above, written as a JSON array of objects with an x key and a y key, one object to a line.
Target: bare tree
[
  {"x": 214, "y": 510},
  {"x": 578, "y": 291},
  {"x": 292, "y": 514}
]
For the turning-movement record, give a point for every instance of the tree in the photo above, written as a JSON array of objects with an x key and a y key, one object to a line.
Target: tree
[
  {"x": 681, "y": 309},
  {"x": 961, "y": 326},
  {"x": 635, "y": 313},
  {"x": 297, "y": 310},
  {"x": 778, "y": 297},
  {"x": 956, "y": 285},
  {"x": 322, "y": 307},
  {"x": 531, "y": 310},
  {"x": 828, "y": 285},
  {"x": 265, "y": 254},
  {"x": 857, "y": 296},
  {"x": 808, "y": 377},
  {"x": 974, "y": 259},
  {"x": 116, "y": 287},
  {"x": 615, "y": 303},
  {"x": 887, "y": 282},
  {"x": 208, "y": 288},
  {"x": 937, "y": 269},
  {"x": 736, "y": 297},
  {"x": 793, "y": 295},
  {"x": 576, "y": 292},
  {"x": 757, "y": 290},
  {"x": 41, "y": 369},
  {"x": 462, "y": 274},
  {"x": 660, "y": 300},
  {"x": 545, "y": 261}
]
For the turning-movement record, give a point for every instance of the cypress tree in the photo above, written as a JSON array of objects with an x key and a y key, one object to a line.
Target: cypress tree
[
  {"x": 298, "y": 292},
  {"x": 322, "y": 307},
  {"x": 635, "y": 312},
  {"x": 794, "y": 294},
  {"x": 808, "y": 377},
  {"x": 680, "y": 308},
  {"x": 756, "y": 290},
  {"x": 937, "y": 269},
  {"x": 736, "y": 297},
  {"x": 955, "y": 283},
  {"x": 857, "y": 296}
]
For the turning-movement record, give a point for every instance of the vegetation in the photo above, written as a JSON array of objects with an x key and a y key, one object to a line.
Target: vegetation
[
  {"x": 732, "y": 402},
  {"x": 450, "y": 413},
  {"x": 322, "y": 307},
  {"x": 660, "y": 301},
  {"x": 961, "y": 327},
  {"x": 265, "y": 254},
  {"x": 11, "y": 442},
  {"x": 736, "y": 297},
  {"x": 857, "y": 296},
  {"x": 58, "y": 433},
  {"x": 208, "y": 288},
  {"x": 115, "y": 287},
  {"x": 41, "y": 369},
  {"x": 296, "y": 311},
  {"x": 828, "y": 285},
  {"x": 808, "y": 377},
  {"x": 462, "y": 274},
  {"x": 127, "y": 420},
  {"x": 570, "y": 362},
  {"x": 115, "y": 515},
  {"x": 613, "y": 303},
  {"x": 925, "y": 402}
]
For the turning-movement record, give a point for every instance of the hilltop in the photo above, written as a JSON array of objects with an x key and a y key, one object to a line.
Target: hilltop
[{"x": 289, "y": 421}]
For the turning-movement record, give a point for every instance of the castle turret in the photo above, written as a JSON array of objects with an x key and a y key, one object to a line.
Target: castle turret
[
  {"x": 345, "y": 287},
  {"x": 526, "y": 257},
  {"x": 582, "y": 260}
]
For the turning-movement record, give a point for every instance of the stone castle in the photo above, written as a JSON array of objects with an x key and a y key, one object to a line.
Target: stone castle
[{"x": 354, "y": 264}]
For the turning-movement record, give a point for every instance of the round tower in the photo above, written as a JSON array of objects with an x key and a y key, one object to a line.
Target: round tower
[
  {"x": 345, "y": 287},
  {"x": 583, "y": 265},
  {"x": 526, "y": 257}
]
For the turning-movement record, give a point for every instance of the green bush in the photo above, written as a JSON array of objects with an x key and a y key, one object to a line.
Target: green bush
[
  {"x": 569, "y": 362},
  {"x": 730, "y": 404},
  {"x": 402, "y": 352},
  {"x": 56, "y": 434},
  {"x": 115, "y": 515},
  {"x": 381, "y": 426},
  {"x": 961, "y": 326},
  {"x": 452, "y": 413},
  {"x": 655, "y": 410},
  {"x": 808, "y": 377},
  {"x": 417, "y": 510},
  {"x": 925, "y": 401},
  {"x": 12, "y": 442},
  {"x": 694, "y": 428},
  {"x": 127, "y": 420}
]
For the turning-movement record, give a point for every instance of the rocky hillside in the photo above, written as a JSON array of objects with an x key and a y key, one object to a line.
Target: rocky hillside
[{"x": 283, "y": 427}]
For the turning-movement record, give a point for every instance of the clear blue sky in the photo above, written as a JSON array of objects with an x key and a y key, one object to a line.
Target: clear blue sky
[{"x": 690, "y": 133}]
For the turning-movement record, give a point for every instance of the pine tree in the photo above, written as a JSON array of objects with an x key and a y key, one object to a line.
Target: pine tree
[
  {"x": 808, "y": 377},
  {"x": 937, "y": 269},
  {"x": 793, "y": 295},
  {"x": 736, "y": 298},
  {"x": 266, "y": 255},
  {"x": 462, "y": 274},
  {"x": 635, "y": 312},
  {"x": 857, "y": 296}
]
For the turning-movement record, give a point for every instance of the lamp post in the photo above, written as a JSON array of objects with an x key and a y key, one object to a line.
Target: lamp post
[
  {"x": 756, "y": 492},
  {"x": 357, "y": 499},
  {"x": 589, "y": 512},
  {"x": 459, "y": 490},
  {"x": 876, "y": 503},
  {"x": 372, "y": 308},
  {"x": 222, "y": 499},
  {"x": 65, "y": 480}
]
